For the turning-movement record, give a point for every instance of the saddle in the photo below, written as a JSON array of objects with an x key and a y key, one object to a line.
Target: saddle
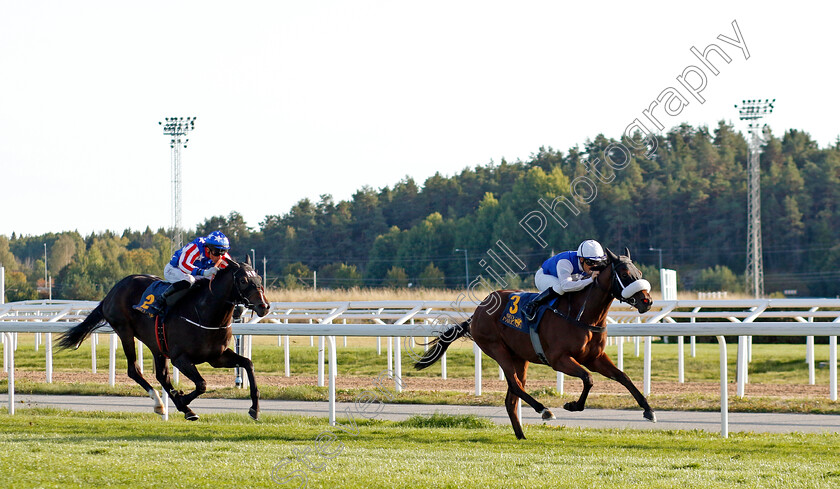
[{"x": 514, "y": 317}]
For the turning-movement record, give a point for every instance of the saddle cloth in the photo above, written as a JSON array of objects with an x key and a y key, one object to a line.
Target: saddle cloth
[
  {"x": 514, "y": 317},
  {"x": 153, "y": 291}
]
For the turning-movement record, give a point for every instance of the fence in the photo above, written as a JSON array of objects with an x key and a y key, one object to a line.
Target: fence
[{"x": 779, "y": 317}]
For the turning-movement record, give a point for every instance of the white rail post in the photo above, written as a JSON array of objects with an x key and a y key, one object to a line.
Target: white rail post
[
  {"x": 501, "y": 374},
  {"x": 832, "y": 367},
  {"x": 809, "y": 345},
  {"x": 477, "y": 354},
  {"x": 140, "y": 354},
  {"x": 560, "y": 384},
  {"x": 112, "y": 359},
  {"x": 741, "y": 365},
  {"x": 648, "y": 341},
  {"x": 680, "y": 359},
  {"x": 49, "y": 355},
  {"x": 390, "y": 354},
  {"x": 93, "y": 342},
  {"x": 11, "y": 354},
  {"x": 397, "y": 364},
  {"x": 286, "y": 356},
  {"x": 724, "y": 392},
  {"x": 320, "y": 361},
  {"x": 332, "y": 375},
  {"x": 37, "y": 340},
  {"x": 443, "y": 366},
  {"x": 619, "y": 344}
]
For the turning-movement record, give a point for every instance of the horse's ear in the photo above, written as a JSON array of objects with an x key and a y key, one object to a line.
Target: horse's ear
[
  {"x": 248, "y": 261},
  {"x": 627, "y": 252},
  {"x": 612, "y": 256}
]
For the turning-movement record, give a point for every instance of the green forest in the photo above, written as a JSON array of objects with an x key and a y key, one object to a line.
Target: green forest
[{"x": 686, "y": 198}]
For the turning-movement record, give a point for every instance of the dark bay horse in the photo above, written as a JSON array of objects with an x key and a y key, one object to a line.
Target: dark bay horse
[
  {"x": 569, "y": 345},
  {"x": 197, "y": 330}
]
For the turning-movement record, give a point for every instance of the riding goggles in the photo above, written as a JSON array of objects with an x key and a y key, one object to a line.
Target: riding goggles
[{"x": 595, "y": 264}]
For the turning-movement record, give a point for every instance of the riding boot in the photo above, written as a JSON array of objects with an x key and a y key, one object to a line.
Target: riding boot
[
  {"x": 168, "y": 298},
  {"x": 530, "y": 309}
]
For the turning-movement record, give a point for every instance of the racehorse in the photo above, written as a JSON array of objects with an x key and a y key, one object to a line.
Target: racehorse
[
  {"x": 197, "y": 330},
  {"x": 571, "y": 340}
]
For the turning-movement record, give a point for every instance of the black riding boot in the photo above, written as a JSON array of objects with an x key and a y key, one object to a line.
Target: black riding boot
[
  {"x": 169, "y": 297},
  {"x": 545, "y": 296}
]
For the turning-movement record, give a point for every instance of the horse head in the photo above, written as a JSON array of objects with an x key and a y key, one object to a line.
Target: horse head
[
  {"x": 627, "y": 282},
  {"x": 248, "y": 288}
]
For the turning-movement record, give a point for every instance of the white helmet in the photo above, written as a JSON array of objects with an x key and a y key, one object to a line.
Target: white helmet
[{"x": 592, "y": 250}]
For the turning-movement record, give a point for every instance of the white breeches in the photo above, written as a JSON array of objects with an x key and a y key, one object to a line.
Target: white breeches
[
  {"x": 543, "y": 281},
  {"x": 174, "y": 274}
]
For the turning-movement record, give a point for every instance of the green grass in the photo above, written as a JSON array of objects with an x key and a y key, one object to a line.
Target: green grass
[{"x": 52, "y": 448}]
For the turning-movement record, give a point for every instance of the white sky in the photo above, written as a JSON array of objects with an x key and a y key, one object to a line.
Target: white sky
[{"x": 298, "y": 99}]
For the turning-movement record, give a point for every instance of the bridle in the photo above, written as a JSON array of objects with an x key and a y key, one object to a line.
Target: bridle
[
  {"x": 625, "y": 293},
  {"x": 241, "y": 297}
]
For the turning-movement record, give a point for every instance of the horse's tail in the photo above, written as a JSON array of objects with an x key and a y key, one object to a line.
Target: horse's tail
[
  {"x": 74, "y": 337},
  {"x": 438, "y": 347}
]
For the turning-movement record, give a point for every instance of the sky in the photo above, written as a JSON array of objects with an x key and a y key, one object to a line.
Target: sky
[{"x": 298, "y": 99}]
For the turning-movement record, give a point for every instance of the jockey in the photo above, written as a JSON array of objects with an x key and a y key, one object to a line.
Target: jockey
[
  {"x": 201, "y": 259},
  {"x": 569, "y": 271}
]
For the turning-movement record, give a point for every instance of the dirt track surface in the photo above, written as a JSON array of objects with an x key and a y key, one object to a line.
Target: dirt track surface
[{"x": 466, "y": 385}]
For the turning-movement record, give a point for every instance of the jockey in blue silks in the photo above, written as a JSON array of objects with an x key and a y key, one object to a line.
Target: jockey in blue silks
[
  {"x": 202, "y": 258},
  {"x": 568, "y": 271}
]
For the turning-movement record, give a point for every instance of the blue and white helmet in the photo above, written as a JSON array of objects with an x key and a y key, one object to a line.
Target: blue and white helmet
[
  {"x": 217, "y": 241},
  {"x": 592, "y": 253}
]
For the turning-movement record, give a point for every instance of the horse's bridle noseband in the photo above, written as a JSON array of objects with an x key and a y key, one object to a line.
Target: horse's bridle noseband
[
  {"x": 626, "y": 293},
  {"x": 242, "y": 299}
]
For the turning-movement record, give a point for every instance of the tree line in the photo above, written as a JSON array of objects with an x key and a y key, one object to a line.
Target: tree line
[{"x": 687, "y": 198}]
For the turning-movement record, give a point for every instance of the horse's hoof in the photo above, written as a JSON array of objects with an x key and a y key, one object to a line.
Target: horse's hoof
[
  {"x": 650, "y": 416},
  {"x": 572, "y": 406},
  {"x": 254, "y": 413},
  {"x": 191, "y": 416},
  {"x": 159, "y": 409},
  {"x": 546, "y": 414}
]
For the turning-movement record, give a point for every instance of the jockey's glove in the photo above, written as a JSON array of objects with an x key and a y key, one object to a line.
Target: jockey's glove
[{"x": 210, "y": 272}]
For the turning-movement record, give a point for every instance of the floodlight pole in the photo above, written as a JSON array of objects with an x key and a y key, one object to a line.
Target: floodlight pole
[
  {"x": 651, "y": 248},
  {"x": 753, "y": 110},
  {"x": 466, "y": 266},
  {"x": 175, "y": 128}
]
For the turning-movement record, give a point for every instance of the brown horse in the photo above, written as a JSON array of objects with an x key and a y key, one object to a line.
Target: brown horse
[
  {"x": 571, "y": 341},
  {"x": 197, "y": 330}
]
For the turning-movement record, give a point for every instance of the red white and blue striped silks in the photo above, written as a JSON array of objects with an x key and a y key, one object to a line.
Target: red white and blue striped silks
[{"x": 191, "y": 258}]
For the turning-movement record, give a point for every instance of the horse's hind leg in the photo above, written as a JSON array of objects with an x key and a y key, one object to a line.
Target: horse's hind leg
[
  {"x": 189, "y": 370},
  {"x": 230, "y": 359},
  {"x": 130, "y": 349},
  {"x": 604, "y": 366},
  {"x": 515, "y": 371}
]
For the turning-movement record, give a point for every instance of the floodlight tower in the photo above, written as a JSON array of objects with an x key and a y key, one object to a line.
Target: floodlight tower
[
  {"x": 752, "y": 111},
  {"x": 175, "y": 128}
]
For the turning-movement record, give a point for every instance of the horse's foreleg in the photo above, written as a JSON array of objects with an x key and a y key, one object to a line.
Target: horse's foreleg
[
  {"x": 604, "y": 366},
  {"x": 511, "y": 405},
  {"x": 229, "y": 359},
  {"x": 188, "y": 369},
  {"x": 570, "y": 366},
  {"x": 162, "y": 375}
]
